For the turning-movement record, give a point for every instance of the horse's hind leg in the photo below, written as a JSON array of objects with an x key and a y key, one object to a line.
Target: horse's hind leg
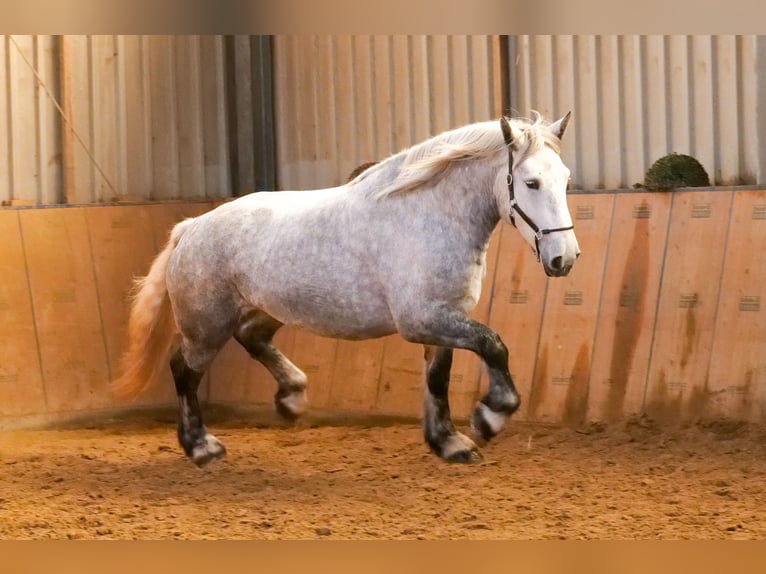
[
  {"x": 198, "y": 444},
  {"x": 440, "y": 433},
  {"x": 255, "y": 334}
]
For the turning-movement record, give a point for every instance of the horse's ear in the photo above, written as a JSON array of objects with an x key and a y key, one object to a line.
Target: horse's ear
[
  {"x": 559, "y": 127},
  {"x": 508, "y": 131}
]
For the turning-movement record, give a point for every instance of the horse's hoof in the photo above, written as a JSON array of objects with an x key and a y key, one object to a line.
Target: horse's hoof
[
  {"x": 211, "y": 449},
  {"x": 460, "y": 448},
  {"x": 291, "y": 406},
  {"x": 465, "y": 457},
  {"x": 486, "y": 424}
]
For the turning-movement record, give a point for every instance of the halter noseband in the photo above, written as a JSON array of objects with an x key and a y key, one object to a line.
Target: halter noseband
[{"x": 539, "y": 233}]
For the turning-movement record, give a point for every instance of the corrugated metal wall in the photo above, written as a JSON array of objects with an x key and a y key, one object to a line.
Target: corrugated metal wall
[
  {"x": 344, "y": 100},
  {"x": 636, "y": 98},
  {"x": 148, "y": 119}
]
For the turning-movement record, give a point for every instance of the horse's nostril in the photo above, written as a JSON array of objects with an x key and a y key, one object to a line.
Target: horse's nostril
[{"x": 557, "y": 263}]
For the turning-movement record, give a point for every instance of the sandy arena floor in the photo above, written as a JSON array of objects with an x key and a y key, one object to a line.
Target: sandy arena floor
[{"x": 627, "y": 481}]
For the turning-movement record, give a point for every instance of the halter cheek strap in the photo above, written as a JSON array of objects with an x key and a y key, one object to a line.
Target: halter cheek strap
[{"x": 515, "y": 207}]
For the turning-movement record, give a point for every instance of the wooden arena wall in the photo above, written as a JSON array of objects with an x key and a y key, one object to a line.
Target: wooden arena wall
[{"x": 662, "y": 314}]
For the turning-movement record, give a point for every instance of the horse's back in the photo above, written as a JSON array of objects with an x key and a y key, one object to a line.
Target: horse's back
[{"x": 290, "y": 254}]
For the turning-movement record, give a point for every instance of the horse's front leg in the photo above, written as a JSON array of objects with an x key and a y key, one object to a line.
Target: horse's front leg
[
  {"x": 450, "y": 328},
  {"x": 440, "y": 433}
]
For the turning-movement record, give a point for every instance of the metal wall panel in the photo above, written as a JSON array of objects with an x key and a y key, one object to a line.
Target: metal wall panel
[
  {"x": 637, "y": 98},
  {"x": 344, "y": 100},
  {"x": 147, "y": 119},
  {"x": 30, "y": 134}
]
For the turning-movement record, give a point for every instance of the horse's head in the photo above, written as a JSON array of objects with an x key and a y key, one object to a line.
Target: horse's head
[{"x": 534, "y": 198}]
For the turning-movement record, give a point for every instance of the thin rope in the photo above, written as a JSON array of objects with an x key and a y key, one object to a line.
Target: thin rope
[{"x": 64, "y": 116}]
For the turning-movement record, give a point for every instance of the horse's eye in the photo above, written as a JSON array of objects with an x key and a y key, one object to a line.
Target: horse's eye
[{"x": 533, "y": 184}]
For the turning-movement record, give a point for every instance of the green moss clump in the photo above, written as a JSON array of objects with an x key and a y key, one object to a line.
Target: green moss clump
[{"x": 675, "y": 170}]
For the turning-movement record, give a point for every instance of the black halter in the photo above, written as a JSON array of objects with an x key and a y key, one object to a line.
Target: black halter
[{"x": 515, "y": 206}]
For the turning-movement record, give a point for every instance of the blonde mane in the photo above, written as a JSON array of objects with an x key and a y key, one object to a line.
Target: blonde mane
[{"x": 434, "y": 157}]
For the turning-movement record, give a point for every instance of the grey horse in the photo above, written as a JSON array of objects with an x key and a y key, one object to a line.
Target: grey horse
[{"x": 401, "y": 248}]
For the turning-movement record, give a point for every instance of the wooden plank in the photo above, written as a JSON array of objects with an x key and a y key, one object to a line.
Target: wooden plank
[
  {"x": 628, "y": 306},
  {"x": 21, "y": 384},
  {"x": 737, "y": 381},
  {"x": 216, "y": 141},
  {"x": 400, "y": 390},
  {"x": 123, "y": 248},
  {"x": 356, "y": 375},
  {"x": 518, "y": 296},
  {"x": 61, "y": 278},
  {"x": 560, "y": 386},
  {"x": 677, "y": 383}
]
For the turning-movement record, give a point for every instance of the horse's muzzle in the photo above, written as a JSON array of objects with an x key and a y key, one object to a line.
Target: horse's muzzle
[{"x": 559, "y": 266}]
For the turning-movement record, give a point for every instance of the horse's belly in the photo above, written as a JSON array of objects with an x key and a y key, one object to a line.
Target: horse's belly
[{"x": 350, "y": 316}]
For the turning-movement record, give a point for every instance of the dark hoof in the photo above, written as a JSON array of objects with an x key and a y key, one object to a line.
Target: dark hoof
[
  {"x": 459, "y": 448},
  {"x": 208, "y": 451},
  {"x": 465, "y": 457}
]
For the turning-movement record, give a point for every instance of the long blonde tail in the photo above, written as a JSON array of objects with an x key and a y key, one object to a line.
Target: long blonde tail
[{"x": 151, "y": 327}]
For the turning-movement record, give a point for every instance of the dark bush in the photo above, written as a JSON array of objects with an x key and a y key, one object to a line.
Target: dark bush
[{"x": 675, "y": 170}]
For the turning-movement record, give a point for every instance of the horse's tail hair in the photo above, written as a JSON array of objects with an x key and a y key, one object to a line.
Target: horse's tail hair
[{"x": 151, "y": 326}]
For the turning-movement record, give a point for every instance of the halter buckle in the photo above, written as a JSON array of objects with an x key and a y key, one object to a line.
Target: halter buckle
[{"x": 538, "y": 235}]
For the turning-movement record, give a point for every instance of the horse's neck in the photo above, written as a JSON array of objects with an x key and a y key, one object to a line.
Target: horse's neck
[{"x": 465, "y": 195}]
